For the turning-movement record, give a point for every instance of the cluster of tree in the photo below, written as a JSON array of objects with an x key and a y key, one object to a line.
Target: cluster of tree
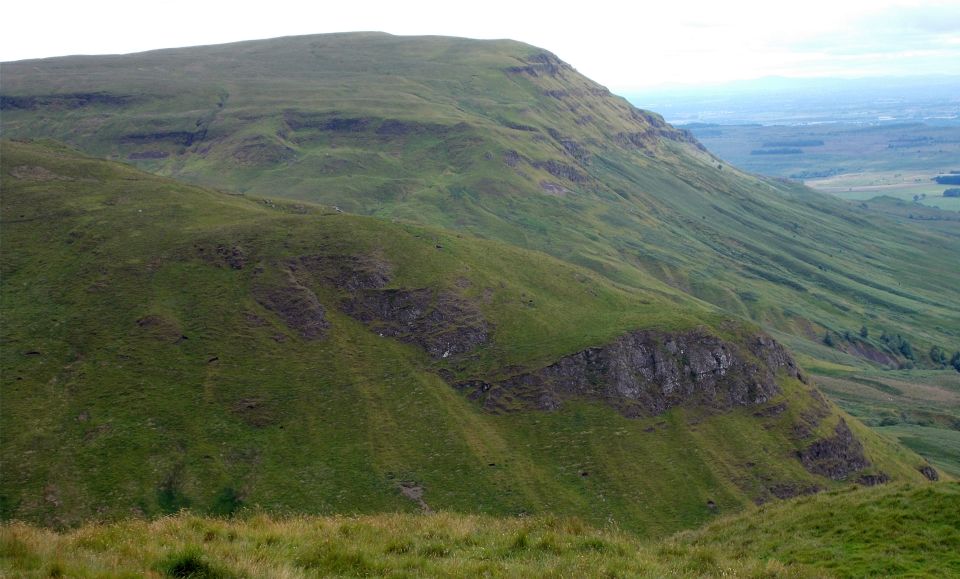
[
  {"x": 795, "y": 143},
  {"x": 951, "y": 179},
  {"x": 952, "y": 192},
  {"x": 822, "y": 174},
  {"x": 847, "y": 335},
  {"x": 898, "y": 344},
  {"x": 781, "y": 151},
  {"x": 939, "y": 357}
]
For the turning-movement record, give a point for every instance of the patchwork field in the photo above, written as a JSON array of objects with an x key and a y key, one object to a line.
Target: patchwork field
[
  {"x": 921, "y": 410},
  {"x": 852, "y": 161}
]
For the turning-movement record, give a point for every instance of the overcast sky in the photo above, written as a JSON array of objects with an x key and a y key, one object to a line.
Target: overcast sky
[{"x": 619, "y": 44}]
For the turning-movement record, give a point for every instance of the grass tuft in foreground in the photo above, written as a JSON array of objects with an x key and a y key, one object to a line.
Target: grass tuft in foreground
[{"x": 894, "y": 530}]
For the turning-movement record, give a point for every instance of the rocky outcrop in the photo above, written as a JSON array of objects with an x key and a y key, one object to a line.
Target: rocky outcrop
[
  {"x": 560, "y": 170},
  {"x": 646, "y": 373},
  {"x": 300, "y": 121},
  {"x": 346, "y": 272},
  {"x": 570, "y": 146},
  {"x": 222, "y": 254},
  {"x": 541, "y": 64},
  {"x": 835, "y": 457},
  {"x": 929, "y": 472},
  {"x": 183, "y": 138},
  {"x": 872, "y": 480},
  {"x": 440, "y": 322},
  {"x": 655, "y": 124},
  {"x": 295, "y": 304},
  {"x": 64, "y": 101},
  {"x": 788, "y": 490},
  {"x": 296, "y": 121}
]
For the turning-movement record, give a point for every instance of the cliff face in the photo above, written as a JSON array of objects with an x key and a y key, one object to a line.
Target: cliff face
[{"x": 647, "y": 373}]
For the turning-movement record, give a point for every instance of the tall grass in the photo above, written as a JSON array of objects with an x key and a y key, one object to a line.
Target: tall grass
[{"x": 894, "y": 530}]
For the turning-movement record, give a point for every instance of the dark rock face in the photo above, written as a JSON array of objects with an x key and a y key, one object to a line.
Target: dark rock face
[
  {"x": 441, "y": 323},
  {"x": 836, "y": 457},
  {"x": 397, "y": 128},
  {"x": 561, "y": 170},
  {"x": 184, "y": 138},
  {"x": 296, "y": 305},
  {"x": 646, "y": 373},
  {"x": 324, "y": 122},
  {"x": 64, "y": 101},
  {"x": 511, "y": 158},
  {"x": 222, "y": 255},
  {"x": 929, "y": 472},
  {"x": 232, "y": 256},
  {"x": 572, "y": 147},
  {"x": 872, "y": 480},
  {"x": 661, "y": 128},
  {"x": 541, "y": 64},
  {"x": 771, "y": 411},
  {"x": 812, "y": 416},
  {"x": 787, "y": 490},
  {"x": 347, "y": 272}
]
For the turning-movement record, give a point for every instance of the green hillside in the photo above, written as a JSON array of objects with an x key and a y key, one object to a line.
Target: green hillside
[
  {"x": 881, "y": 532},
  {"x": 886, "y": 531},
  {"x": 505, "y": 141},
  {"x": 167, "y": 346}
]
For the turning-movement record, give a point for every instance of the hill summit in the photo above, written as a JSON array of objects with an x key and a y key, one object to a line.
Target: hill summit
[{"x": 503, "y": 140}]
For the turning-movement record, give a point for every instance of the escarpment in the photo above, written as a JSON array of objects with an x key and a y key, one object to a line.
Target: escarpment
[
  {"x": 440, "y": 322},
  {"x": 838, "y": 456},
  {"x": 294, "y": 303},
  {"x": 645, "y": 373}
]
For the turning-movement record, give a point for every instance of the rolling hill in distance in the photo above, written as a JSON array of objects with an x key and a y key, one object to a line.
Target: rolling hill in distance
[
  {"x": 809, "y": 101},
  {"x": 504, "y": 141},
  {"x": 359, "y": 273},
  {"x": 879, "y": 138}
]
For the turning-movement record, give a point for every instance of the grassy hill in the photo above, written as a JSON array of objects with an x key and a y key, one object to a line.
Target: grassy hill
[
  {"x": 505, "y": 141},
  {"x": 168, "y": 346},
  {"x": 898, "y": 530},
  {"x": 888, "y": 531}
]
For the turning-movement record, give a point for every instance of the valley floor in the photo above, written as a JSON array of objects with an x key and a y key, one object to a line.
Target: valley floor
[{"x": 920, "y": 409}]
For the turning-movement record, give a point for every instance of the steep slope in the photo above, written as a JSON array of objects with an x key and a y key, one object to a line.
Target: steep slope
[
  {"x": 891, "y": 531},
  {"x": 505, "y": 141},
  {"x": 167, "y": 346}
]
